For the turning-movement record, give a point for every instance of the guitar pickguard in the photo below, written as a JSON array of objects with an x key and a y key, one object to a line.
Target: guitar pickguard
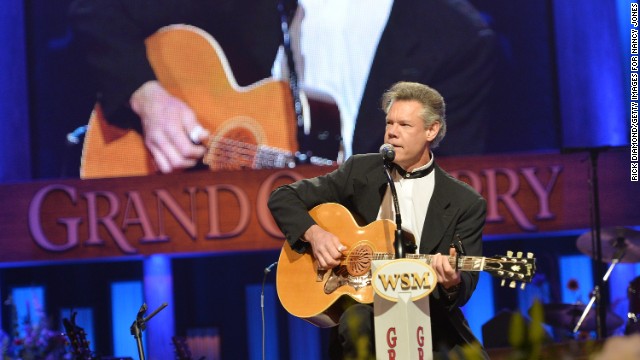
[
  {"x": 339, "y": 276},
  {"x": 356, "y": 272}
]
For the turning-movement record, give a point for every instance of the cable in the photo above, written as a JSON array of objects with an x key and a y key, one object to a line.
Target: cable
[{"x": 267, "y": 270}]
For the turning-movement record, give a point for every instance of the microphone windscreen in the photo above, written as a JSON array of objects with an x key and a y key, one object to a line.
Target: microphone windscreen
[{"x": 387, "y": 152}]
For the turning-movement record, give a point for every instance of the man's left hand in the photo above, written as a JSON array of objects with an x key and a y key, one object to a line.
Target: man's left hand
[{"x": 448, "y": 277}]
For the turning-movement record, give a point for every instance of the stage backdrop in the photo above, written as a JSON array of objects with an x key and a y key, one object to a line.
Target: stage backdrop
[{"x": 226, "y": 211}]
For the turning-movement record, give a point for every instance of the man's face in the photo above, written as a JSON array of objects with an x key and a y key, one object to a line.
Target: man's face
[{"x": 406, "y": 132}]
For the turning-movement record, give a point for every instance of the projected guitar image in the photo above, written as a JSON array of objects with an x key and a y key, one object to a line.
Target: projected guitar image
[{"x": 251, "y": 127}]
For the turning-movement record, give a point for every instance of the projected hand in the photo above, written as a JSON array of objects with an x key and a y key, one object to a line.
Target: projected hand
[{"x": 171, "y": 131}]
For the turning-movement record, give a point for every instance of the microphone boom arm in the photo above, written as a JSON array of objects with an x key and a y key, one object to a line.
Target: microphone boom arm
[{"x": 140, "y": 324}]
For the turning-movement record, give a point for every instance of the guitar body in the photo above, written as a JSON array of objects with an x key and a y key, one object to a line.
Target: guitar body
[
  {"x": 190, "y": 64},
  {"x": 301, "y": 286}
]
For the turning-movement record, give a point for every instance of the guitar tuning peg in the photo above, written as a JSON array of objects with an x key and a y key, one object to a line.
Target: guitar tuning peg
[
  {"x": 512, "y": 284},
  {"x": 502, "y": 282},
  {"x": 522, "y": 286},
  {"x": 529, "y": 255},
  {"x": 519, "y": 254},
  {"x": 510, "y": 253}
]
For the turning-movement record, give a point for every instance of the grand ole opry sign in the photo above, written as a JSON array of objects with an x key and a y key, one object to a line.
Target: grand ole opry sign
[{"x": 203, "y": 212}]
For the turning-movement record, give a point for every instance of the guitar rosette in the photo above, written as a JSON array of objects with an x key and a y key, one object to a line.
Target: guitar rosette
[{"x": 358, "y": 261}]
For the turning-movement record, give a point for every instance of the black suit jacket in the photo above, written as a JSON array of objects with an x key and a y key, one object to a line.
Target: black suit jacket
[{"x": 359, "y": 184}]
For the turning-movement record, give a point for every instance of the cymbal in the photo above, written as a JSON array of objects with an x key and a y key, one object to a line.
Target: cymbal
[
  {"x": 566, "y": 316},
  {"x": 612, "y": 239}
]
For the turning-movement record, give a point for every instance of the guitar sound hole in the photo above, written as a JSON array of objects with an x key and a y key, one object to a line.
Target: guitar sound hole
[{"x": 359, "y": 260}]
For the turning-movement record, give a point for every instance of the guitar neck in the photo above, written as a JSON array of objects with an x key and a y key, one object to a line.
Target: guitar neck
[
  {"x": 503, "y": 267},
  {"x": 231, "y": 153},
  {"x": 465, "y": 263}
]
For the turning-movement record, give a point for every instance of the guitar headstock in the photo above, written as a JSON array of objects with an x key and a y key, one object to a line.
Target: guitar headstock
[
  {"x": 517, "y": 269},
  {"x": 77, "y": 339}
]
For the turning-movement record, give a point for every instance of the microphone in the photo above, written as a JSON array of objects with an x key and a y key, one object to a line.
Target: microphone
[
  {"x": 387, "y": 152},
  {"x": 74, "y": 137},
  {"x": 270, "y": 267}
]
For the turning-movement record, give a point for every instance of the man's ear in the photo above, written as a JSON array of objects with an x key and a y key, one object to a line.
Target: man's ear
[{"x": 432, "y": 131}]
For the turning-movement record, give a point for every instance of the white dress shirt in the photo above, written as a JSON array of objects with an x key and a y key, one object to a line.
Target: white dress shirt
[
  {"x": 414, "y": 196},
  {"x": 338, "y": 41}
]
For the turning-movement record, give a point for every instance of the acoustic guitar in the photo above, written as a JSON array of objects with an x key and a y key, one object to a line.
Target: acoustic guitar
[
  {"x": 320, "y": 296},
  {"x": 251, "y": 127}
]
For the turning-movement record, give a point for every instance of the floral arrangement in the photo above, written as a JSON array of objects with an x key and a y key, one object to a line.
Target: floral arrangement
[{"x": 36, "y": 341}]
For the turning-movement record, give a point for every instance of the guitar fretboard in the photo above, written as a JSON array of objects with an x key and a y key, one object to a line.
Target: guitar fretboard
[{"x": 225, "y": 153}]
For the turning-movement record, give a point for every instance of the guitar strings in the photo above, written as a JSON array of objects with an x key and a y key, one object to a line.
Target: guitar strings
[{"x": 231, "y": 154}]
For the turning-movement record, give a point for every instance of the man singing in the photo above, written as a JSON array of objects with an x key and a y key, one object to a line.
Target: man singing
[{"x": 436, "y": 208}]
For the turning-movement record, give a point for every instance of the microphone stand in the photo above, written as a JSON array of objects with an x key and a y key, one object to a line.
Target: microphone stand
[
  {"x": 598, "y": 265},
  {"x": 140, "y": 324},
  {"x": 600, "y": 295},
  {"x": 294, "y": 87},
  {"x": 398, "y": 243},
  {"x": 595, "y": 294}
]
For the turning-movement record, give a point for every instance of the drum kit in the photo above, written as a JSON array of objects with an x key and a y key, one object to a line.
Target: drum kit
[{"x": 617, "y": 245}]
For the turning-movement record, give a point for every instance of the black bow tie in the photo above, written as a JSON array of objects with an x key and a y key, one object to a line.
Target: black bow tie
[{"x": 413, "y": 174}]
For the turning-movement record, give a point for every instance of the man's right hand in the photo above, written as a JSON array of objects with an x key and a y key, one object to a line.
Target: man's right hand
[
  {"x": 167, "y": 123},
  {"x": 326, "y": 247}
]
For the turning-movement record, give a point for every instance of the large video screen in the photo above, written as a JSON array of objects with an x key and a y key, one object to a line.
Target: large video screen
[{"x": 259, "y": 84}]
